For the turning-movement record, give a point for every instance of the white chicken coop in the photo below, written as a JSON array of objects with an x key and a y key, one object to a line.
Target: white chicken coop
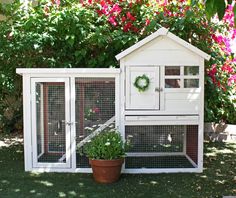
[{"x": 156, "y": 99}]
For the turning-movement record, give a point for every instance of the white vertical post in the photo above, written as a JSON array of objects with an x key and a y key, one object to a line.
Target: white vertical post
[
  {"x": 73, "y": 120},
  {"x": 122, "y": 102},
  {"x": 117, "y": 101},
  {"x": 27, "y": 122},
  {"x": 68, "y": 119},
  {"x": 42, "y": 119},
  {"x": 201, "y": 116}
]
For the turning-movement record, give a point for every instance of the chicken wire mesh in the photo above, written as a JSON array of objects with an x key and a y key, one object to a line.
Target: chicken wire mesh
[
  {"x": 95, "y": 105},
  {"x": 162, "y": 146},
  {"x": 50, "y": 121}
]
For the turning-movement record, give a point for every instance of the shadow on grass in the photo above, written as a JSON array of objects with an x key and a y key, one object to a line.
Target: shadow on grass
[{"x": 216, "y": 180}]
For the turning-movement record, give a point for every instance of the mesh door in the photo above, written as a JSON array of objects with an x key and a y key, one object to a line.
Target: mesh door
[
  {"x": 166, "y": 146},
  {"x": 50, "y": 122},
  {"x": 95, "y": 105}
]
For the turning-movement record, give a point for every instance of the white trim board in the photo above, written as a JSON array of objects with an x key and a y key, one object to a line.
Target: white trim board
[
  {"x": 163, "y": 32},
  {"x": 54, "y": 71}
]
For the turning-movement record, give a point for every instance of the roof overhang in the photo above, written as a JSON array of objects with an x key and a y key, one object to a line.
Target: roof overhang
[{"x": 163, "y": 32}]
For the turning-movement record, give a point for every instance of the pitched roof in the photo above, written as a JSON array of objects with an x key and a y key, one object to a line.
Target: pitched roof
[{"x": 163, "y": 32}]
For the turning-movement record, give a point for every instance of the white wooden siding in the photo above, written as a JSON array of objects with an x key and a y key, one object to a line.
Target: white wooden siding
[{"x": 162, "y": 51}]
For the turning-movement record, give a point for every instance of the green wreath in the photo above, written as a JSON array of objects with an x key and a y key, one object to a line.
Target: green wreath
[{"x": 142, "y": 83}]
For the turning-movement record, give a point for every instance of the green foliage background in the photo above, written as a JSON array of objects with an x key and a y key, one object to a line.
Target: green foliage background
[{"x": 73, "y": 35}]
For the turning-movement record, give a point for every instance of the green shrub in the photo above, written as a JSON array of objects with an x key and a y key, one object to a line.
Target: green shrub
[{"x": 107, "y": 145}]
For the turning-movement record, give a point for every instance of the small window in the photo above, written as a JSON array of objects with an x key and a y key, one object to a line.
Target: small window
[
  {"x": 191, "y": 83},
  {"x": 172, "y": 71},
  {"x": 191, "y": 70},
  {"x": 172, "y": 83}
]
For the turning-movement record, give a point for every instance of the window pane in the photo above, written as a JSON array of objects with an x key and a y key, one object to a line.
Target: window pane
[
  {"x": 172, "y": 71},
  {"x": 172, "y": 83},
  {"x": 191, "y": 83},
  {"x": 191, "y": 70}
]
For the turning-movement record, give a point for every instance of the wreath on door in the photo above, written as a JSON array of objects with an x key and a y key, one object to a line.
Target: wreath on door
[{"x": 142, "y": 83}]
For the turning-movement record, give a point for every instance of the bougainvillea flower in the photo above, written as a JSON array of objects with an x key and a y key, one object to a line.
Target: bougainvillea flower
[
  {"x": 147, "y": 22},
  {"x": 116, "y": 9},
  {"x": 127, "y": 26},
  {"x": 123, "y": 19},
  {"x": 227, "y": 68},
  {"x": 130, "y": 16},
  {"x": 112, "y": 20},
  {"x": 232, "y": 79}
]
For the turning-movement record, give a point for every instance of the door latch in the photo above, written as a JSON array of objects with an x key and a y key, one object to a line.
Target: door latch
[{"x": 157, "y": 89}]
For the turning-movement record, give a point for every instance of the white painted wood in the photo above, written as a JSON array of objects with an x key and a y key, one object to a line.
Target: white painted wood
[
  {"x": 122, "y": 103},
  {"x": 73, "y": 126},
  {"x": 162, "y": 57},
  {"x": 183, "y": 106},
  {"x": 162, "y": 32},
  {"x": 160, "y": 122},
  {"x": 161, "y": 118},
  {"x": 182, "y": 96},
  {"x": 68, "y": 120},
  {"x": 27, "y": 123},
  {"x": 161, "y": 170},
  {"x": 142, "y": 100},
  {"x": 67, "y": 71},
  {"x": 160, "y": 113},
  {"x": 52, "y": 170},
  {"x": 42, "y": 121},
  {"x": 191, "y": 161},
  {"x": 201, "y": 123},
  {"x": 117, "y": 102},
  {"x": 185, "y": 90},
  {"x": 83, "y": 170}
]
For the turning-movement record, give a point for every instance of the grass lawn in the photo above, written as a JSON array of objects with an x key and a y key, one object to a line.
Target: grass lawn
[{"x": 218, "y": 179}]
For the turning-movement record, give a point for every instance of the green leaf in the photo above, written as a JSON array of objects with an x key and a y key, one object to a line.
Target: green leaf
[
  {"x": 234, "y": 15},
  {"x": 220, "y": 5},
  {"x": 211, "y": 9}
]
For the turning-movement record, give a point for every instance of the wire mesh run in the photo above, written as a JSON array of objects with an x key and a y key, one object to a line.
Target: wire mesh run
[
  {"x": 95, "y": 105},
  {"x": 156, "y": 138},
  {"x": 162, "y": 146},
  {"x": 50, "y": 121}
]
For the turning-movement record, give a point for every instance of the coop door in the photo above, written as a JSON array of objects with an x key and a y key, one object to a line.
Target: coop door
[
  {"x": 50, "y": 122},
  {"x": 137, "y": 99}
]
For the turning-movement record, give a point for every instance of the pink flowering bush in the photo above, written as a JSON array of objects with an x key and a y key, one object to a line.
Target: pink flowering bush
[
  {"x": 220, "y": 101},
  {"x": 89, "y": 33}
]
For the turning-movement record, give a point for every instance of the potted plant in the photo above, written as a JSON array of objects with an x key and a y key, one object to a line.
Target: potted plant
[{"x": 106, "y": 153}]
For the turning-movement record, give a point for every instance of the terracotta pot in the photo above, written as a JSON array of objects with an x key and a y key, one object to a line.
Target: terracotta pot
[{"x": 106, "y": 171}]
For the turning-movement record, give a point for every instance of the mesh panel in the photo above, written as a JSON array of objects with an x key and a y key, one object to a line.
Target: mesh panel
[
  {"x": 50, "y": 110},
  {"x": 156, "y": 138},
  {"x": 173, "y": 146},
  {"x": 95, "y": 105}
]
